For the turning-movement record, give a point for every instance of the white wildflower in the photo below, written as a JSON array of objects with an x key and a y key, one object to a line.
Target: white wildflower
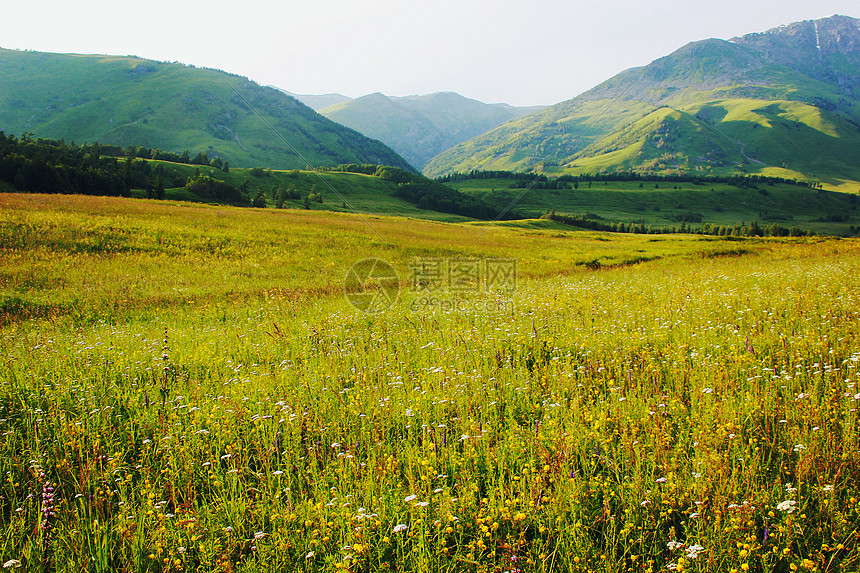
[{"x": 788, "y": 506}]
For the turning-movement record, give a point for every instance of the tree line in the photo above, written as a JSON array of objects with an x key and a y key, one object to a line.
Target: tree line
[
  {"x": 754, "y": 229},
  {"x": 38, "y": 165},
  {"x": 541, "y": 181},
  {"x": 48, "y": 166}
]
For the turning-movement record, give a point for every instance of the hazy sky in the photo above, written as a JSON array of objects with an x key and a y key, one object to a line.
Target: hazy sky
[{"x": 523, "y": 53}]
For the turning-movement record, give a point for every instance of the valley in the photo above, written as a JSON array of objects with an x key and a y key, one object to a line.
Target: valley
[{"x": 248, "y": 330}]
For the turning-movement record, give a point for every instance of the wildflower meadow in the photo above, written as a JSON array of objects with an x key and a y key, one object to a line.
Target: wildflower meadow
[{"x": 196, "y": 393}]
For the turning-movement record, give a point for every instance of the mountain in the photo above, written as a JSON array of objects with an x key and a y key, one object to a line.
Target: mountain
[
  {"x": 420, "y": 127},
  {"x": 316, "y": 102},
  {"x": 130, "y": 101},
  {"x": 784, "y": 102}
]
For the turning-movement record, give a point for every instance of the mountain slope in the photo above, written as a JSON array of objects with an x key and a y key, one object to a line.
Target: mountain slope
[
  {"x": 316, "y": 102},
  {"x": 827, "y": 50},
  {"x": 781, "y": 102},
  {"x": 420, "y": 127},
  {"x": 130, "y": 101}
]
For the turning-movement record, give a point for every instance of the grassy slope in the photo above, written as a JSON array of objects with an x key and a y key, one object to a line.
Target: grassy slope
[
  {"x": 420, "y": 127},
  {"x": 719, "y": 203},
  {"x": 701, "y": 74},
  {"x": 549, "y": 135},
  {"x": 129, "y": 101},
  {"x": 733, "y": 135},
  {"x": 201, "y": 395},
  {"x": 412, "y": 134},
  {"x": 616, "y": 201},
  {"x": 361, "y": 193},
  {"x": 74, "y": 254}
]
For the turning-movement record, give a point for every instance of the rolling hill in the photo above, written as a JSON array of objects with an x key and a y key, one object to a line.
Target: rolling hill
[
  {"x": 125, "y": 100},
  {"x": 420, "y": 127},
  {"x": 782, "y": 103},
  {"x": 316, "y": 102}
]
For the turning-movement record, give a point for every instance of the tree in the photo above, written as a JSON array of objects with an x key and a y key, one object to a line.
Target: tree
[
  {"x": 306, "y": 202},
  {"x": 159, "y": 186},
  {"x": 280, "y": 196},
  {"x": 754, "y": 230},
  {"x": 129, "y": 165},
  {"x": 259, "y": 199}
]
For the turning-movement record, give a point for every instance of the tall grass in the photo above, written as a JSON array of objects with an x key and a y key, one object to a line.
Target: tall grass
[{"x": 693, "y": 412}]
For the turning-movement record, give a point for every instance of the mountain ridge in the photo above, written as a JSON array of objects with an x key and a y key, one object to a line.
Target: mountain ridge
[
  {"x": 125, "y": 100},
  {"x": 422, "y": 126},
  {"x": 314, "y": 101},
  {"x": 756, "y": 66}
]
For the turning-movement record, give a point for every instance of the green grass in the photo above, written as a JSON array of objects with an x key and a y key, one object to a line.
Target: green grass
[
  {"x": 76, "y": 255},
  {"x": 360, "y": 193},
  {"x": 211, "y": 402},
  {"x": 129, "y": 101},
  {"x": 710, "y": 106},
  {"x": 421, "y": 127},
  {"x": 546, "y": 136},
  {"x": 720, "y": 204}
]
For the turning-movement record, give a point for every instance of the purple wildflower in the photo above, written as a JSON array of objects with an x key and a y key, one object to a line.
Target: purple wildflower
[{"x": 48, "y": 512}]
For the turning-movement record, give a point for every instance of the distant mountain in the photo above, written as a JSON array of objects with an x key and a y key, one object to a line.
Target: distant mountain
[
  {"x": 316, "y": 102},
  {"x": 784, "y": 102},
  {"x": 420, "y": 127},
  {"x": 130, "y": 101}
]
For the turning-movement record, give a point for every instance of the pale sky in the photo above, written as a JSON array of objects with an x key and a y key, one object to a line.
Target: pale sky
[{"x": 522, "y": 53}]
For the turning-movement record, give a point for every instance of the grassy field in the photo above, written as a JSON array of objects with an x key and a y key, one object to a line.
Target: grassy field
[
  {"x": 185, "y": 388},
  {"x": 658, "y": 204},
  {"x": 125, "y": 100},
  {"x": 731, "y": 136},
  {"x": 720, "y": 204},
  {"x": 342, "y": 192}
]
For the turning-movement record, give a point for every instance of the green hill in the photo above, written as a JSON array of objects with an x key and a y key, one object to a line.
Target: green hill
[
  {"x": 420, "y": 127},
  {"x": 656, "y": 202},
  {"x": 130, "y": 101},
  {"x": 780, "y": 103},
  {"x": 316, "y": 102}
]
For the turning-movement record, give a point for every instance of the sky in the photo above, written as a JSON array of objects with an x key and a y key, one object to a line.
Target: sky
[{"x": 522, "y": 53}]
